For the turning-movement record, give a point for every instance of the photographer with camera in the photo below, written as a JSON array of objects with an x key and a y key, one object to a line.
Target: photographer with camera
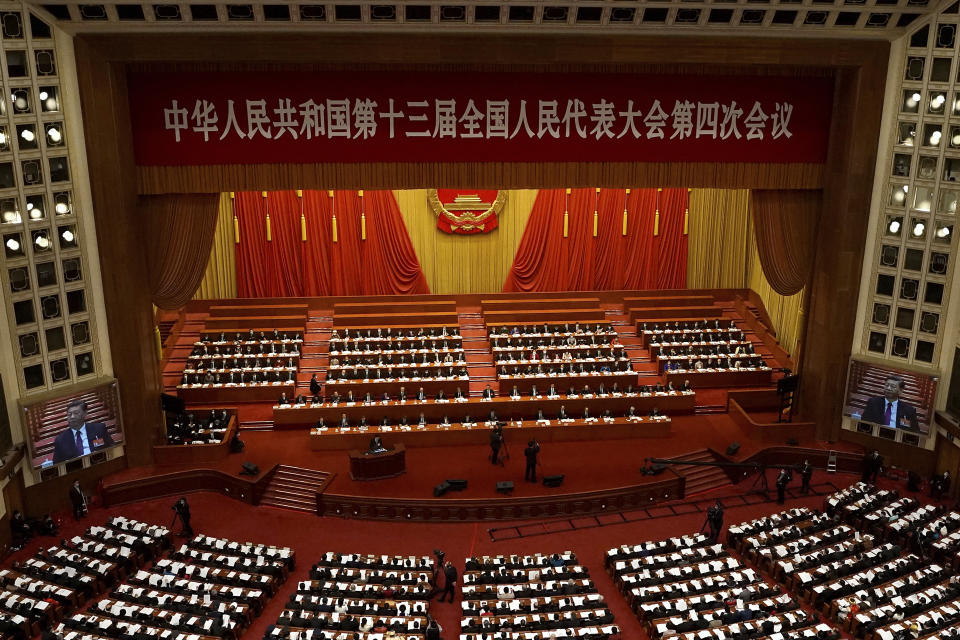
[{"x": 182, "y": 510}]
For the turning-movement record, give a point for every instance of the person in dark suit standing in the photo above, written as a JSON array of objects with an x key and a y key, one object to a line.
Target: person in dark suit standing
[
  {"x": 806, "y": 472},
  {"x": 531, "y": 452},
  {"x": 80, "y": 437},
  {"x": 889, "y": 410},
  {"x": 782, "y": 481},
  {"x": 314, "y": 385},
  {"x": 871, "y": 466},
  {"x": 78, "y": 500},
  {"x": 496, "y": 441},
  {"x": 450, "y": 577}
]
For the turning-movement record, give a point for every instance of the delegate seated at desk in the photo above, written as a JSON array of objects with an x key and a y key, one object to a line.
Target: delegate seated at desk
[{"x": 376, "y": 445}]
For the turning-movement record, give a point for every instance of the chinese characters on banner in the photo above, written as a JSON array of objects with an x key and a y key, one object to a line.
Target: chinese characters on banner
[{"x": 251, "y": 118}]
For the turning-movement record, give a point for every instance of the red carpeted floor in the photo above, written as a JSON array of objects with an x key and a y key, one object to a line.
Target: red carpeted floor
[
  {"x": 587, "y": 466},
  {"x": 311, "y": 536}
]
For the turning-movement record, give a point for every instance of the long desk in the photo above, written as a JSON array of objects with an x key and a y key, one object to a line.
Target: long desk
[
  {"x": 545, "y": 315},
  {"x": 379, "y": 387},
  {"x": 258, "y": 310},
  {"x": 529, "y": 304},
  {"x": 222, "y": 393},
  {"x": 563, "y": 382},
  {"x": 297, "y": 417},
  {"x": 406, "y": 319},
  {"x": 729, "y": 378},
  {"x": 433, "y": 435},
  {"x": 376, "y": 466},
  {"x": 668, "y": 301},
  {"x": 389, "y": 308}
]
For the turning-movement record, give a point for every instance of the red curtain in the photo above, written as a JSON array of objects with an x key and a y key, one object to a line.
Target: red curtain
[
  {"x": 546, "y": 261},
  {"x": 286, "y": 265}
]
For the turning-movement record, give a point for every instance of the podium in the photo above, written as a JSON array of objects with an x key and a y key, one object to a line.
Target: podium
[{"x": 376, "y": 466}]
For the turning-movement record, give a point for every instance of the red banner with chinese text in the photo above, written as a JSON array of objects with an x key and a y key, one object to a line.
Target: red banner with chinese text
[{"x": 291, "y": 117}]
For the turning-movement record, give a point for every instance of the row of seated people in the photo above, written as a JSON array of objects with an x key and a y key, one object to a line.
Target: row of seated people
[
  {"x": 546, "y": 355},
  {"x": 542, "y": 595},
  {"x": 348, "y": 375},
  {"x": 385, "y": 334},
  {"x": 657, "y": 341},
  {"x": 204, "y": 428},
  {"x": 239, "y": 378},
  {"x": 552, "y": 329},
  {"x": 551, "y": 392},
  {"x": 429, "y": 368},
  {"x": 246, "y": 350},
  {"x": 253, "y": 559},
  {"x": 690, "y": 586},
  {"x": 229, "y": 363},
  {"x": 407, "y": 423},
  {"x": 250, "y": 336},
  {"x": 685, "y": 364},
  {"x": 382, "y": 361},
  {"x": 725, "y": 350},
  {"x": 942, "y": 536},
  {"x": 394, "y": 342},
  {"x": 579, "y": 368},
  {"x": 671, "y": 327},
  {"x": 362, "y": 596}
]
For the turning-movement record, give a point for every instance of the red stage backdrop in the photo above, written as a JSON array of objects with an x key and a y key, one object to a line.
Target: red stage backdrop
[
  {"x": 652, "y": 254},
  {"x": 372, "y": 255},
  {"x": 266, "y": 117}
]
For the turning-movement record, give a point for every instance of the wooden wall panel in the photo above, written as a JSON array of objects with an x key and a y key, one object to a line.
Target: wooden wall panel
[
  {"x": 842, "y": 232},
  {"x": 121, "y": 240}
]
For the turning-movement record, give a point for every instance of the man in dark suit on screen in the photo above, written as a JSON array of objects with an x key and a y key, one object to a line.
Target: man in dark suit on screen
[
  {"x": 889, "y": 410},
  {"x": 80, "y": 437}
]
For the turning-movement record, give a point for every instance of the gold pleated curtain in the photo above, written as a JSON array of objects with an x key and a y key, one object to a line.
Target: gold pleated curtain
[
  {"x": 718, "y": 241},
  {"x": 179, "y": 229},
  {"x": 220, "y": 279}
]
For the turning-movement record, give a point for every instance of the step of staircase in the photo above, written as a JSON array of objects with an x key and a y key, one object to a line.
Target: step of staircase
[
  {"x": 295, "y": 488},
  {"x": 700, "y": 479}
]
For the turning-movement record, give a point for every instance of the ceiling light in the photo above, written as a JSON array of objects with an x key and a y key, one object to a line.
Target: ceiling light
[
  {"x": 54, "y": 135},
  {"x": 42, "y": 241},
  {"x": 20, "y": 102},
  {"x": 935, "y": 137},
  {"x": 35, "y": 214},
  {"x": 11, "y": 216},
  {"x": 62, "y": 208},
  {"x": 918, "y": 229},
  {"x": 27, "y": 135},
  {"x": 894, "y": 226},
  {"x": 51, "y": 104},
  {"x": 915, "y": 97},
  {"x": 13, "y": 245},
  {"x": 67, "y": 235},
  {"x": 943, "y": 232}
]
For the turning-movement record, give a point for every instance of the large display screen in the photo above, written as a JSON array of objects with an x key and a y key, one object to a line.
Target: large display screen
[
  {"x": 894, "y": 398},
  {"x": 73, "y": 425}
]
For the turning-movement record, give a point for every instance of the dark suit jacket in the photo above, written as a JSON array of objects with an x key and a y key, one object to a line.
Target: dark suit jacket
[
  {"x": 65, "y": 445},
  {"x": 906, "y": 413}
]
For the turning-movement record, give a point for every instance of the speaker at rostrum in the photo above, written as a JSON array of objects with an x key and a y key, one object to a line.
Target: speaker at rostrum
[{"x": 733, "y": 448}]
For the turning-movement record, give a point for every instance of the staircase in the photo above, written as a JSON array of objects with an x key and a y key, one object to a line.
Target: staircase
[
  {"x": 477, "y": 350},
  {"x": 700, "y": 479},
  {"x": 295, "y": 488}
]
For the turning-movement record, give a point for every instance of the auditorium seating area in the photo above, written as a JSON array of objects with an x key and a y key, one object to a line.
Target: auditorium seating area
[
  {"x": 203, "y": 427},
  {"x": 364, "y": 596},
  {"x": 532, "y": 596},
  {"x": 209, "y": 588},
  {"x": 252, "y": 365}
]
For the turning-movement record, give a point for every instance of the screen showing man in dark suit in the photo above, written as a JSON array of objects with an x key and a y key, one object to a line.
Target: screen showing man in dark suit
[
  {"x": 889, "y": 410},
  {"x": 80, "y": 438}
]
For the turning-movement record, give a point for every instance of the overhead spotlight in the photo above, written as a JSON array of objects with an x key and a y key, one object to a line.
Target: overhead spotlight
[
  {"x": 11, "y": 216},
  {"x": 899, "y": 196},
  {"x": 54, "y": 135},
  {"x": 67, "y": 236},
  {"x": 935, "y": 137},
  {"x": 918, "y": 229},
  {"x": 943, "y": 232},
  {"x": 915, "y": 97},
  {"x": 42, "y": 242},
  {"x": 13, "y": 245},
  {"x": 28, "y": 135},
  {"x": 20, "y": 102},
  {"x": 51, "y": 104},
  {"x": 62, "y": 208},
  {"x": 44, "y": 95},
  {"x": 937, "y": 101},
  {"x": 955, "y": 140},
  {"x": 3, "y": 138},
  {"x": 911, "y": 101},
  {"x": 894, "y": 226},
  {"x": 34, "y": 212}
]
